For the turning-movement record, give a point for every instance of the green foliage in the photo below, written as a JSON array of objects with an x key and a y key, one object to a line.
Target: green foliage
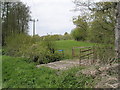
[
  {"x": 37, "y": 38},
  {"x": 101, "y": 27},
  {"x": 53, "y": 37},
  {"x": 105, "y": 53},
  {"x": 49, "y": 44},
  {"x": 16, "y": 43},
  {"x": 18, "y": 73},
  {"x": 15, "y": 16},
  {"x": 99, "y": 24},
  {"x": 80, "y": 32},
  {"x": 65, "y": 33},
  {"x": 66, "y": 37},
  {"x": 101, "y": 31},
  {"x": 21, "y": 45},
  {"x": 57, "y": 37},
  {"x": 72, "y": 79},
  {"x": 43, "y": 52}
]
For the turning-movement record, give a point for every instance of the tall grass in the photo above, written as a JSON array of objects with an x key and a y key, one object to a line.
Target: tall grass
[
  {"x": 18, "y": 73},
  {"x": 105, "y": 54}
]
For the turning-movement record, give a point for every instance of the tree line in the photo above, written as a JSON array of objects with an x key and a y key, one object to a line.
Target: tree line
[
  {"x": 97, "y": 23},
  {"x": 15, "y": 18}
]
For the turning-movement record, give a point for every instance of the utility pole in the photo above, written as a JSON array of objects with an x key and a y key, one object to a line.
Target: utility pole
[
  {"x": 33, "y": 20},
  {"x": 117, "y": 31}
]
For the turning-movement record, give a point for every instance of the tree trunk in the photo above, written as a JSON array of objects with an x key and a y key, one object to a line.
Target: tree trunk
[
  {"x": 0, "y": 24},
  {"x": 117, "y": 32}
]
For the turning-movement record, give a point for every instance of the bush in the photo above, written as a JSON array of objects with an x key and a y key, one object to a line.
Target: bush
[
  {"x": 66, "y": 37},
  {"x": 57, "y": 37},
  {"x": 105, "y": 53},
  {"x": 51, "y": 37},
  {"x": 42, "y": 53},
  {"x": 15, "y": 44},
  {"x": 31, "y": 48},
  {"x": 79, "y": 34}
]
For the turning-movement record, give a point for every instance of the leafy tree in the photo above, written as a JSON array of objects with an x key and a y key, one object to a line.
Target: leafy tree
[
  {"x": 80, "y": 32},
  {"x": 66, "y": 37},
  {"x": 101, "y": 20},
  {"x": 104, "y": 17},
  {"x": 65, "y": 33},
  {"x": 104, "y": 23},
  {"x": 76, "y": 34}
]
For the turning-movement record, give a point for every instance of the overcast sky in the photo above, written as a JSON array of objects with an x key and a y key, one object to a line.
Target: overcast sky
[{"x": 55, "y": 16}]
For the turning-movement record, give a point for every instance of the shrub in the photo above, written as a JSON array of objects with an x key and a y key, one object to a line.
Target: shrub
[
  {"x": 31, "y": 48},
  {"x": 16, "y": 42},
  {"x": 105, "y": 53},
  {"x": 50, "y": 45},
  {"x": 78, "y": 34},
  {"x": 57, "y": 37},
  {"x": 66, "y": 37},
  {"x": 51, "y": 37},
  {"x": 41, "y": 53}
]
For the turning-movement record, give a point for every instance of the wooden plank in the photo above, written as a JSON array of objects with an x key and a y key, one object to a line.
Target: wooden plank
[
  {"x": 86, "y": 50},
  {"x": 87, "y": 54},
  {"x": 82, "y": 47}
]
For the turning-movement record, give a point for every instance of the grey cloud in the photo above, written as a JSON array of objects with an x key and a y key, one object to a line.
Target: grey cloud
[{"x": 54, "y": 15}]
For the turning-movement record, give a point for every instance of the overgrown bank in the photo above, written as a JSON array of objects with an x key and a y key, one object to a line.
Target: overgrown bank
[
  {"x": 32, "y": 48},
  {"x": 19, "y": 73}
]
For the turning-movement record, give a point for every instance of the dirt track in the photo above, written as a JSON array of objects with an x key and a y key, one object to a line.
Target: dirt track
[{"x": 65, "y": 64}]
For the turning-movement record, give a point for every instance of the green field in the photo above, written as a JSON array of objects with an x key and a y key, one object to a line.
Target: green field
[
  {"x": 19, "y": 73},
  {"x": 67, "y": 46}
]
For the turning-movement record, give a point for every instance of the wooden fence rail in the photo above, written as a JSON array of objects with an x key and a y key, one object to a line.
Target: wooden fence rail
[
  {"x": 92, "y": 54},
  {"x": 85, "y": 53}
]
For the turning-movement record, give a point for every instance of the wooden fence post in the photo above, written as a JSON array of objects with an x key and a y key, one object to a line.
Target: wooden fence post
[
  {"x": 80, "y": 57},
  {"x": 93, "y": 55},
  {"x": 73, "y": 52}
]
